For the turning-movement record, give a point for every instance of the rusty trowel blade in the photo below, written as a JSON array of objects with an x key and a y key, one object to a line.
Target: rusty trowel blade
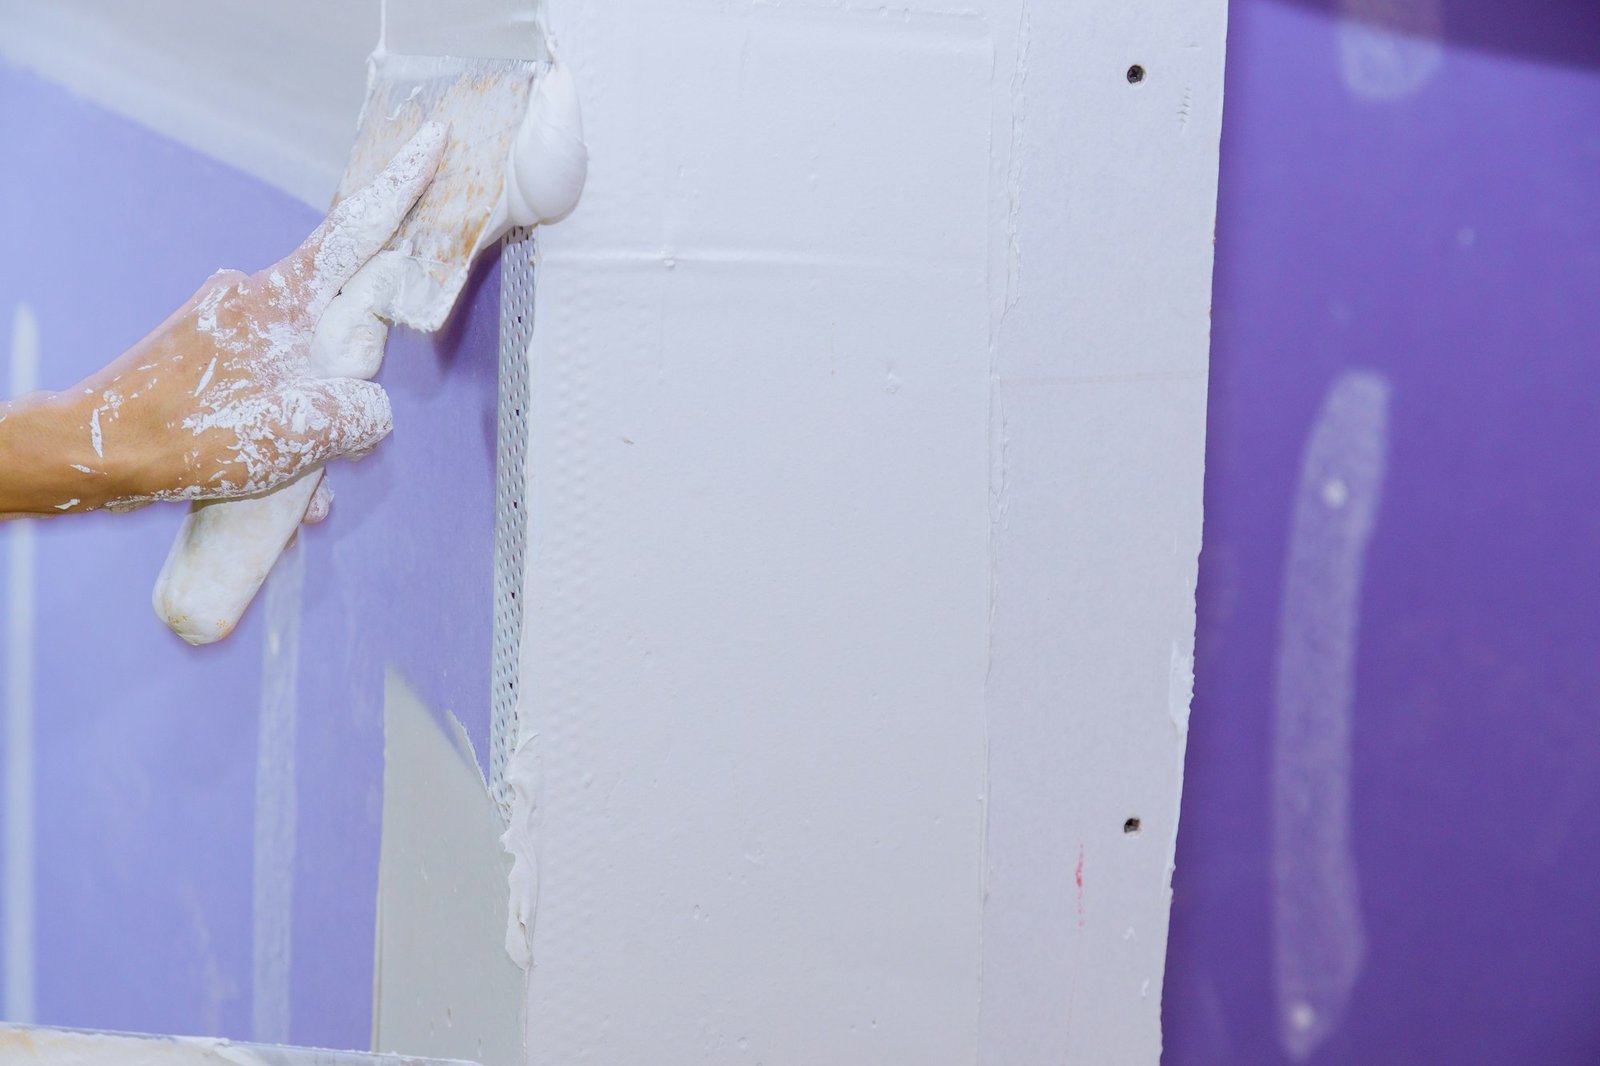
[{"x": 482, "y": 102}]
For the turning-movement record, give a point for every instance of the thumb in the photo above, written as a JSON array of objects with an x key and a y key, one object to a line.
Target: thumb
[{"x": 356, "y": 417}]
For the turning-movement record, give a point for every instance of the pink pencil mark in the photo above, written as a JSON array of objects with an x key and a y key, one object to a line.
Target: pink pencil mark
[{"x": 1079, "y": 879}]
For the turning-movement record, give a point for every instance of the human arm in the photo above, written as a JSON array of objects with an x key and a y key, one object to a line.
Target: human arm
[{"x": 220, "y": 400}]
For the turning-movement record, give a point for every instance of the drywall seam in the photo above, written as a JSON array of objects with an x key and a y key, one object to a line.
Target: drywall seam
[
  {"x": 276, "y": 812},
  {"x": 18, "y": 931}
]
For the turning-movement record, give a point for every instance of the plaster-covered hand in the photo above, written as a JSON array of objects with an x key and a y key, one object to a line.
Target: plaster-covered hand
[{"x": 223, "y": 399}]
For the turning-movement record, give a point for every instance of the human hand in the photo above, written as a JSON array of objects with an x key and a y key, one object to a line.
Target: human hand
[{"x": 224, "y": 399}]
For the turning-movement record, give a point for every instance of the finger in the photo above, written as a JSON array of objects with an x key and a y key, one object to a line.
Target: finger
[
  {"x": 321, "y": 503},
  {"x": 350, "y": 335},
  {"x": 364, "y": 221}
]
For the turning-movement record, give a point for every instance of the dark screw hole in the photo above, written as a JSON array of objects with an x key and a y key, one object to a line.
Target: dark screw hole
[
  {"x": 1131, "y": 826},
  {"x": 1135, "y": 74}
]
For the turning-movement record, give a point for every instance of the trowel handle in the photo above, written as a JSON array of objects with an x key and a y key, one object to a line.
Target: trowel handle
[
  {"x": 222, "y": 555},
  {"x": 226, "y": 548}
]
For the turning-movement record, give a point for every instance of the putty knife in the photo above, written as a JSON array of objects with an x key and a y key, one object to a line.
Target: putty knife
[{"x": 515, "y": 157}]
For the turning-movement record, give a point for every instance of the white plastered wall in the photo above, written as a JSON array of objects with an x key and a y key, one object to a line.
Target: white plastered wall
[
  {"x": 868, "y": 443},
  {"x": 866, "y": 467}
]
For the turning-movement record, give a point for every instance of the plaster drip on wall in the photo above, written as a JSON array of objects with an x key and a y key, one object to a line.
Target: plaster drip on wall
[
  {"x": 17, "y": 928},
  {"x": 1319, "y": 940},
  {"x": 276, "y": 815}
]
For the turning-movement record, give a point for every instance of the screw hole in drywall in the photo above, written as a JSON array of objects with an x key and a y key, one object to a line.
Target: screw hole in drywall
[
  {"x": 1135, "y": 74},
  {"x": 1131, "y": 826}
]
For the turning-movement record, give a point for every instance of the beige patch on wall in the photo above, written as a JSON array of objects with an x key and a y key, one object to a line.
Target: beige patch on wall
[{"x": 443, "y": 984}]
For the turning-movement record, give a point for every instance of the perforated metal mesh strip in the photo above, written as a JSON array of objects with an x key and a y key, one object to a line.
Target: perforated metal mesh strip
[{"x": 511, "y": 513}]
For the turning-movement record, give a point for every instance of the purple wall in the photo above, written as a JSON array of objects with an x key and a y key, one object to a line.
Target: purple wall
[
  {"x": 1445, "y": 237},
  {"x": 146, "y": 749}
]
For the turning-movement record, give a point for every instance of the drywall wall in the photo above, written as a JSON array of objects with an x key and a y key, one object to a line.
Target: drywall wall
[{"x": 868, "y": 414}]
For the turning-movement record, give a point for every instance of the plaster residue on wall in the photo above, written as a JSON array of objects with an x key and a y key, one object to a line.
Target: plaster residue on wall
[
  {"x": 1319, "y": 938},
  {"x": 1390, "y": 49}
]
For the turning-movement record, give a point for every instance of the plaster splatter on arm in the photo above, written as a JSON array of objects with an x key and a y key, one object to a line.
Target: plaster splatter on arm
[{"x": 221, "y": 400}]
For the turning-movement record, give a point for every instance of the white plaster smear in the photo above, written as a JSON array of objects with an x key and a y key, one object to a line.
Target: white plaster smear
[
  {"x": 1319, "y": 939},
  {"x": 16, "y": 928},
  {"x": 1390, "y": 49}
]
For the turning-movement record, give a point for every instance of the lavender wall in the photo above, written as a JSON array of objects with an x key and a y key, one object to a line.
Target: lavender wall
[
  {"x": 1425, "y": 214},
  {"x": 146, "y": 749}
]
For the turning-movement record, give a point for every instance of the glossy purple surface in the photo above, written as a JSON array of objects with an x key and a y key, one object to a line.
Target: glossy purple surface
[
  {"x": 1446, "y": 238},
  {"x": 146, "y": 749}
]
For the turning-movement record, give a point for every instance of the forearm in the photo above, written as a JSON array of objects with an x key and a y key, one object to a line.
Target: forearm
[
  {"x": 221, "y": 401},
  {"x": 48, "y": 461}
]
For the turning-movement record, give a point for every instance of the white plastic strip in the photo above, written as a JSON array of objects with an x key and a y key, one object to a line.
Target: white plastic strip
[{"x": 17, "y": 929}]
